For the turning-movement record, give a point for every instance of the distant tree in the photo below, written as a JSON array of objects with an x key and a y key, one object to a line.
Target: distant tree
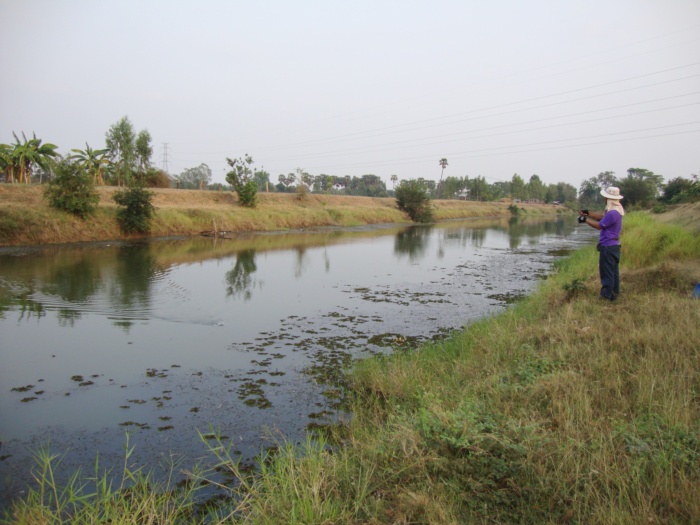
[
  {"x": 144, "y": 151},
  {"x": 195, "y": 178},
  {"x": 517, "y": 188},
  {"x": 93, "y": 161},
  {"x": 121, "y": 142},
  {"x": 589, "y": 193},
  {"x": 430, "y": 185},
  {"x": 367, "y": 186},
  {"x": 679, "y": 190},
  {"x": 304, "y": 179},
  {"x": 450, "y": 187},
  {"x": 241, "y": 179},
  {"x": 412, "y": 197},
  {"x": 500, "y": 189},
  {"x": 286, "y": 181},
  {"x": 640, "y": 187},
  {"x": 479, "y": 189},
  {"x": 394, "y": 180},
  {"x": 535, "y": 188},
  {"x": 562, "y": 192},
  {"x": 72, "y": 190},
  {"x": 262, "y": 179}
]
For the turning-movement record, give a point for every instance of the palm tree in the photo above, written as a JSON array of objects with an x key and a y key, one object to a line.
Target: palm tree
[
  {"x": 443, "y": 165},
  {"x": 92, "y": 160}
]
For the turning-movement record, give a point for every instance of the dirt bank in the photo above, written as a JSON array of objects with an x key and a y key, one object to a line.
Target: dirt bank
[
  {"x": 686, "y": 215},
  {"x": 26, "y": 218}
]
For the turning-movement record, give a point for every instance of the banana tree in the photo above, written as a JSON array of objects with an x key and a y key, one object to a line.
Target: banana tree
[
  {"x": 7, "y": 165},
  {"x": 27, "y": 154},
  {"x": 93, "y": 160}
]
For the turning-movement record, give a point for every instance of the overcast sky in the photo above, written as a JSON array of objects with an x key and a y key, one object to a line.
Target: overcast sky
[{"x": 562, "y": 89}]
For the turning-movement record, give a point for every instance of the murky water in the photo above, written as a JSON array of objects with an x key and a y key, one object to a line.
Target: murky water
[{"x": 244, "y": 336}]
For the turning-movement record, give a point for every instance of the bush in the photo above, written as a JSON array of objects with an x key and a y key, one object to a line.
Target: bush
[
  {"x": 72, "y": 190},
  {"x": 241, "y": 178},
  {"x": 248, "y": 193},
  {"x": 157, "y": 179},
  {"x": 412, "y": 197},
  {"x": 137, "y": 211},
  {"x": 513, "y": 209}
]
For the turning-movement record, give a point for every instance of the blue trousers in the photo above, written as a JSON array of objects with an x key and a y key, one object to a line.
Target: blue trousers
[{"x": 609, "y": 265}]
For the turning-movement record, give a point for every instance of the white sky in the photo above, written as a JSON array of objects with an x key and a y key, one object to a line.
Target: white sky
[{"x": 563, "y": 89}]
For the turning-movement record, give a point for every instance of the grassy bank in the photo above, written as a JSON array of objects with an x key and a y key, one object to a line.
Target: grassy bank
[
  {"x": 26, "y": 218},
  {"x": 564, "y": 409}
]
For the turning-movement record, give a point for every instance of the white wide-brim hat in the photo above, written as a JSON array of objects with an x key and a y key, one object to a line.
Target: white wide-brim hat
[{"x": 611, "y": 193}]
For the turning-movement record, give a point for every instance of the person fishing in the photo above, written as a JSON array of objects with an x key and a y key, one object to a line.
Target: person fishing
[{"x": 610, "y": 225}]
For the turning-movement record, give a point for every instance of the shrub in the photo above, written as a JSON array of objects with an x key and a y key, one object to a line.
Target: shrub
[
  {"x": 241, "y": 178},
  {"x": 137, "y": 211},
  {"x": 302, "y": 192},
  {"x": 513, "y": 209},
  {"x": 72, "y": 190},
  {"x": 157, "y": 179},
  {"x": 248, "y": 193},
  {"x": 412, "y": 197}
]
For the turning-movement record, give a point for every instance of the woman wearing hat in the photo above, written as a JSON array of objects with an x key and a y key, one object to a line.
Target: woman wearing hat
[{"x": 610, "y": 225}]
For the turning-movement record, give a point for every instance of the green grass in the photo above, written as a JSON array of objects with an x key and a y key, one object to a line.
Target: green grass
[{"x": 563, "y": 409}]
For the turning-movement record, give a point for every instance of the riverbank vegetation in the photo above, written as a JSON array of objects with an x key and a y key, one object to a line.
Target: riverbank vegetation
[
  {"x": 560, "y": 410},
  {"x": 27, "y": 219}
]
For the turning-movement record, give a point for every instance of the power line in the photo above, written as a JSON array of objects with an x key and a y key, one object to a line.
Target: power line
[
  {"x": 433, "y": 119},
  {"x": 450, "y": 137},
  {"x": 466, "y": 155}
]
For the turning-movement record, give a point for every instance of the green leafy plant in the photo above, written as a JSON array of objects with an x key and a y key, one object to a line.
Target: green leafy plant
[
  {"x": 137, "y": 210},
  {"x": 412, "y": 197},
  {"x": 72, "y": 190},
  {"x": 574, "y": 288},
  {"x": 241, "y": 178}
]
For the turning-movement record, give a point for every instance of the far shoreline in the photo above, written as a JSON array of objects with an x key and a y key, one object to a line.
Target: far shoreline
[{"x": 27, "y": 220}]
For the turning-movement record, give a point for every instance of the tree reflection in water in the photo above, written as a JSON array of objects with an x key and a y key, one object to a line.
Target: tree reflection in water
[
  {"x": 413, "y": 242},
  {"x": 239, "y": 279}
]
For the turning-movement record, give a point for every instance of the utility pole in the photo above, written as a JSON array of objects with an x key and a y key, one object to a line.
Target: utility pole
[{"x": 164, "y": 156}]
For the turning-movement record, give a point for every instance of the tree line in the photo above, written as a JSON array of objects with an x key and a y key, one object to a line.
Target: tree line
[
  {"x": 126, "y": 161},
  {"x": 641, "y": 188}
]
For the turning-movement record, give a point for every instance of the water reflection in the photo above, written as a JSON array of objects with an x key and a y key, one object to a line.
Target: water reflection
[
  {"x": 412, "y": 242},
  {"x": 183, "y": 330},
  {"x": 239, "y": 279}
]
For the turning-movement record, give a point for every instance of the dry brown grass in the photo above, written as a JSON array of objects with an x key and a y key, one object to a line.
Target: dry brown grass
[
  {"x": 685, "y": 215},
  {"x": 26, "y": 218}
]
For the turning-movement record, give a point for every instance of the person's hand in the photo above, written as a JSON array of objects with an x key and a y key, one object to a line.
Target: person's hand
[{"x": 583, "y": 212}]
